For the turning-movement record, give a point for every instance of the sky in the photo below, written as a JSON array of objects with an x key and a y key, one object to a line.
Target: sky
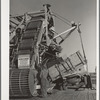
[{"x": 83, "y": 11}]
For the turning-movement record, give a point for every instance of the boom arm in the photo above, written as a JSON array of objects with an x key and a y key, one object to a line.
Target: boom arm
[
  {"x": 67, "y": 35},
  {"x": 64, "y": 32}
]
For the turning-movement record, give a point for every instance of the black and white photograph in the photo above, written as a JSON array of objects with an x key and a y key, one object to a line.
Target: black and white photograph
[{"x": 52, "y": 50}]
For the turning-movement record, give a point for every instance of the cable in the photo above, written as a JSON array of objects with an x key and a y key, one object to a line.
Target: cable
[
  {"x": 62, "y": 17},
  {"x": 57, "y": 15},
  {"x": 63, "y": 20}
]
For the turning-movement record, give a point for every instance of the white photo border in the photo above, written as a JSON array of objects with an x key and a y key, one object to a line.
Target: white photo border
[{"x": 5, "y": 9}]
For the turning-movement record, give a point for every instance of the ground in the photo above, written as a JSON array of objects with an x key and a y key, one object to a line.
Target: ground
[{"x": 68, "y": 94}]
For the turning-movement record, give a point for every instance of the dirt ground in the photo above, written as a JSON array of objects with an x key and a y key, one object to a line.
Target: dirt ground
[{"x": 68, "y": 94}]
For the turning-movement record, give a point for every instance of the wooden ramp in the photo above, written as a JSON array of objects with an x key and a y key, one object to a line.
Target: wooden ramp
[{"x": 68, "y": 94}]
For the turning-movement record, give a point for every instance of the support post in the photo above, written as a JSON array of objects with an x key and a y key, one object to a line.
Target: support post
[
  {"x": 79, "y": 31},
  {"x": 46, "y": 7}
]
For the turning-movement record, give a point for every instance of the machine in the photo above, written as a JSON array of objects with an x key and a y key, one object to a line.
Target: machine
[{"x": 32, "y": 44}]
